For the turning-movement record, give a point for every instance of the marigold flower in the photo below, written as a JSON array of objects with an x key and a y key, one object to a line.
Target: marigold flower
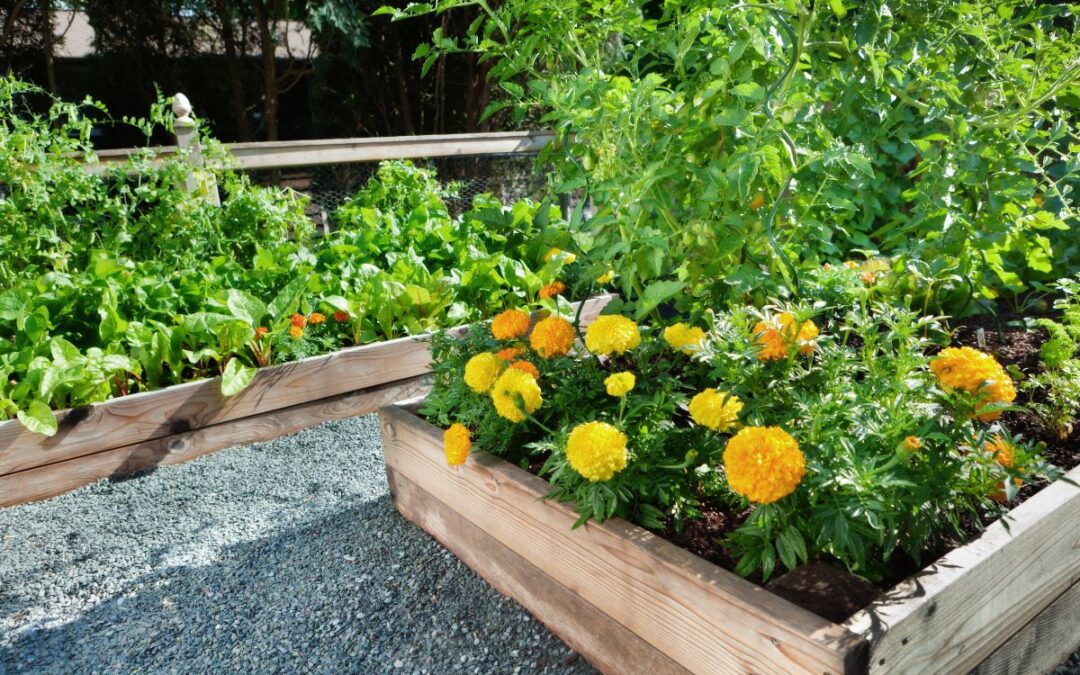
[
  {"x": 612, "y": 334},
  {"x": 850, "y": 264},
  {"x": 526, "y": 367},
  {"x": 316, "y": 318},
  {"x": 978, "y": 373},
  {"x": 757, "y": 202},
  {"x": 261, "y": 332},
  {"x": 551, "y": 337},
  {"x": 340, "y": 316},
  {"x": 606, "y": 277},
  {"x": 296, "y": 332},
  {"x": 565, "y": 256},
  {"x": 764, "y": 464},
  {"x": 511, "y": 353},
  {"x": 513, "y": 323},
  {"x": 868, "y": 278},
  {"x": 596, "y": 450},
  {"x": 1004, "y": 453},
  {"x": 775, "y": 335},
  {"x": 827, "y": 266},
  {"x": 620, "y": 384},
  {"x": 298, "y": 320},
  {"x": 552, "y": 289},
  {"x": 516, "y": 393},
  {"x": 912, "y": 443},
  {"x": 716, "y": 410},
  {"x": 456, "y": 444},
  {"x": 687, "y": 339},
  {"x": 482, "y": 370}
]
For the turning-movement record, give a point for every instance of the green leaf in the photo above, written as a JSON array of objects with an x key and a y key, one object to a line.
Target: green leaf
[
  {"x": 236, "y": 377},
  {"x": 246, "y": 307},
  {"x": 38, "y": 418},
  {"x": 656, "y": 293}
]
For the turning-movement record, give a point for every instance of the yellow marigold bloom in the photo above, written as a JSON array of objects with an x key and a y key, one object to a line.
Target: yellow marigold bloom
[
  {"x": 296, "y": 332},
  {"x": 482, "y": 370},
  {"x": 716, "y": 410},
  {"x": 513, "y": 323},
  {"x": 511, "y": 353},
  {"x": 975, "y": 372},
  {"x": 1002, "y": 451},
  {"x": 456, "y": 444},
  {"x": 620, "y": 384},
  {"x": 687, "y": 339},
  {"x": 566, "y": 256},
  {"x": 606, "y": 277},
  {"x": 912, "y": 443},
  {"x": 516, "y": 393},
  {"x": 764, "y": 464},
  {"x": 775, "y": 335},
  {"x": 612, "y": 334},
  {"x": 526, "y": 367},
  {"x": 551, "y": 337},
  {"x": 757, "y": 202},
  {"x": 552, "y": 289},
  {"x": 316, "y": 318},
  {"x": 596, "y": 450},
  {"x": 850, "y": 264}
]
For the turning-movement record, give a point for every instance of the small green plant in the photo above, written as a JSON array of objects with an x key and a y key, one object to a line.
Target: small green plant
[{"x": 1055, "y": 392}]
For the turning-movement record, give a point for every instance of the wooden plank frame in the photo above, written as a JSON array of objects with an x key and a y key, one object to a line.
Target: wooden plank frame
[
  {"x": 187, "y": 420},
  {"x": 633, "y": 603}
]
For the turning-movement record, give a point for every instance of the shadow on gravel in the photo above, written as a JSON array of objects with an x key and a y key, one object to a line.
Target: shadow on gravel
[{"x": 359, "y": 590}]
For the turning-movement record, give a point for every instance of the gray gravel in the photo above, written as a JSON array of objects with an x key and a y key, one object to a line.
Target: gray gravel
[{"x": 284, "y": 556}]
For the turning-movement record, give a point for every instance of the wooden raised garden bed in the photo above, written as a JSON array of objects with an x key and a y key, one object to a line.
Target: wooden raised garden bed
[
  {"x": 631, "y": 602},
  {"x": 134, "y": 433}
]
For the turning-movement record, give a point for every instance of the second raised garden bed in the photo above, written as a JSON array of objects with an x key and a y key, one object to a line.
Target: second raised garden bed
[{"x": 631, "y": 602}]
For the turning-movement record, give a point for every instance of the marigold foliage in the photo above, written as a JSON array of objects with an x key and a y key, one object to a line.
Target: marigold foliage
[
  {"x": 978, "y": 373},
  {"x": 687, "y": 339},
  {"x": 551, "y": 337},
  {"x": 456, "y": 444},
  {"x": 773, "y": 336},
  {"x": 596, "y": 450},
  {"x": 716, "y": 410},
  {"x": 511, "y": 324},
  {"x": 552, "y": 289},
  {"x": 612, "y": 334},
  {"x": 526, "y": 367},
  {"x": 764, "y": 464},
  {"x": 620, "y": 384},
  {"x": 482, "y": 370},
  {"x": 516, "y": 393}
]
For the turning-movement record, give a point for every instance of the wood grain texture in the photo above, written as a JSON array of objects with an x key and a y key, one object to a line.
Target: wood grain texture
[
  {"x": 605, "y": 643},
  {"x": 702, "y": 617},
  {"x": 958, "y": 611},
  {"x": 156, "y": 414},
  {"x": 54, "y": 479},
  {"x": 1043, "y": 644}
]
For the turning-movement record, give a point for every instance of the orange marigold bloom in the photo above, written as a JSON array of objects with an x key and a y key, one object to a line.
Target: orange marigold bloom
[
  {"x": 511, "y": 353},
  {"x": 552, "y": 289},
  {"x": 1004, "y": 453},
  {"x": 912, "y": 443},
  {"x": 316, "y": 318},
  {"x": 977, "y": 373},
  {"x": 513, "y": 323},
  {"x": 775, "y": 335},
  {"x": 261, "y": 332},
  {"x": 868, "y": 278},
  {"x": 551, "y": 337},
  {"x": 456, "y": 444},
  {"x": 298, "y": 320},
  {"x": 764, "y": 464},
  {"x": 296, "y": 332},
  {"x": 340, "y": 316},
  {"x": 526, "y": 367},
  {"x": 757, "y": 202}
]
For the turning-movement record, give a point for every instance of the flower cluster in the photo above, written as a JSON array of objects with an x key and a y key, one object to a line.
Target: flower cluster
[
  {"x": 620, "y": 384},
  {"x": 687, "y": 339},
  {"x": 596, "y": 450},
  {"x": 552, "y": 289},
  {"x": 515, "y": 394},
  {"x": 551, "y": 337},
  {"x": 764, "y": 464},
  {"x": 979, "y": 374},
  {"x": 612, "y": 334},
  {"x": 513, "y": 323},
  {"x": 776, "y": 334},
  {"x": 716, "y": 410},
  {"x": 456, "y": 444},
  {"x": 482, "y": 370}
]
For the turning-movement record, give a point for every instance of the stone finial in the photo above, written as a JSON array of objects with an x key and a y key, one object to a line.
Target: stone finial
[{"x": 181, "y": 107}]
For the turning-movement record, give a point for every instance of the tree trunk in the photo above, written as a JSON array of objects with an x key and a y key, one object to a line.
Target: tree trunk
[
  {"x": 49, "y": 41},
  {"x": 269, "y": 69},
  {"x": 232, "y": 64}
]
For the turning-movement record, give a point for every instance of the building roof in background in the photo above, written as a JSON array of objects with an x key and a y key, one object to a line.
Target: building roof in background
[{"x": 75, "y": 38}]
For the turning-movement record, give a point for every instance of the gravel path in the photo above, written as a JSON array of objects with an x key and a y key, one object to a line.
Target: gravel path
[{"x": 285, "y": 556}]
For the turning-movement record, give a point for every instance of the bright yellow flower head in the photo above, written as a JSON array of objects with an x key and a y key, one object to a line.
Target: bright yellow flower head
[
  {"x": 687, "y": 339},
  {"x": 516, "y": 393},
  {"x": 596, "y": 450},
  {"x": 620, "y": 384},
  {"x": 1002, "y": 451},
  {"x": 456, "y": 444},
  {"x": 912, "y": 443},
  {"x": 967, "y": 369},
  {"x": 526, "y": 367},
  {"x": 763, "y": 464},
  {"x": 606, "y": 277},
  {"x": 551, "y": 337},
  {"x": 513, "y": 323},
  {"x": 482, "y": 370},
  {"x": 565, "y": 256},
  {"x": 612, "y": 334},
  {"x": 552, "y": 289},
  {"x": 775, "y": 335},
  {"x": 716, "y": 410}
]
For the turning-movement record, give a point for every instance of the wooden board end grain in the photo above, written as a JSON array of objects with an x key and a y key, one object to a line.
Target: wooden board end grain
[{"x": 698, "y": 615}]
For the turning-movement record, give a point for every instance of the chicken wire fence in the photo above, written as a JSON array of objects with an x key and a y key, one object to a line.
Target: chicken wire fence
[{"x": 509, "y": 177}]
